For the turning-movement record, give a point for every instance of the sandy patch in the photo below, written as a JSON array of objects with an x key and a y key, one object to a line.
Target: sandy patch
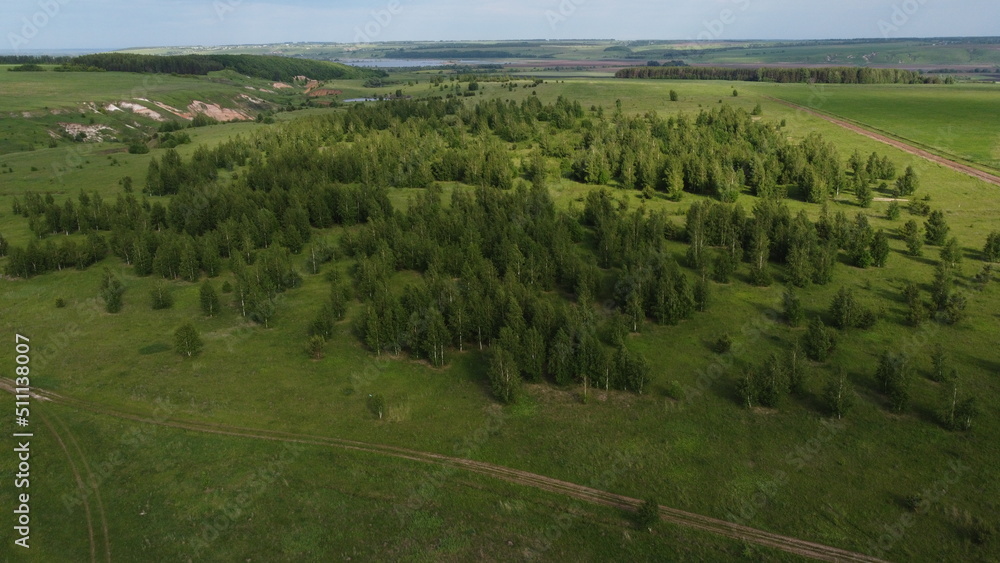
[
  {"x": 141, "y": 110},
  {"x": 280, "y": 85},
  {"x": 217, "y": 112},
  {"x": 253, "y": 100},
  {"x": 112, "y": 108},
  {"x": 92, "y": 132}
]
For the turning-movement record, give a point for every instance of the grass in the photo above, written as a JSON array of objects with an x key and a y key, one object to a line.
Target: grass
[
  {"x": 173, "y": 495},
  {"x": 959, "y": 121},
  {"x": 779, "y": 470}
]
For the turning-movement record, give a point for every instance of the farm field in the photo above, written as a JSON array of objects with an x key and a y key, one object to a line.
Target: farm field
[
  {"x": 960, "y": 121},
  {"x": 793, "y": 470}
]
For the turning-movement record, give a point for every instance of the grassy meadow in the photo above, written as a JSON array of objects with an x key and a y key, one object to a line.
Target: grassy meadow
[{"x": 791, "y": 471}]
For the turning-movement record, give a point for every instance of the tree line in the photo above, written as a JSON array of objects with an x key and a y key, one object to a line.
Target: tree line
[
  {"x": 259, "y": 66},
  {"x": 819, "y": 75}
]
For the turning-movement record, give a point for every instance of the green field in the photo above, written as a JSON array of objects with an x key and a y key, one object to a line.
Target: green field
[
  {"x": 932, "y": 52},
  {"x": 961, "y": 121},
  {"x": 782, "y": 470}
]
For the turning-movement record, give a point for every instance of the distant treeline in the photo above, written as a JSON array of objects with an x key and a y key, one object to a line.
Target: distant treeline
[
  {"x": 28, "y": 59},
  {"x": 258, "y": 66},
  {"x": 823, "y": 75},
  {"x": 455, "y": 54}
]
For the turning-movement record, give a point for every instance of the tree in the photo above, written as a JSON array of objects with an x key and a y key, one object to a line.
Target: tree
[
  {"x": 991, "y": 250},
  {"x": 673, "y": 96},
  {"x": 951, "y": 253},
  {"x": 916, "y": 312},
  {"x": 893, "y": 211},
  {"x": 818, "y": 342},
  {"x": 864, "y": 193},
  {"x": 796, "y": 371},
  {"x": 112, "y": 291},
  {"x": 893, "y": 376},
  {"x": 908, "y": 183},
  {"x": 794, "y": 312},
  {"x": 760, "y": 246},
  {"x": 314, "y": 347},
  {"x": 845, "y": 310},
  {"x": 941, "y": 287},
  {"x": 937, "y": 228},
  {"x": 838, "y": 396},
  {"x": 209, "y": 299},
  {"x": 701, "y": 292},
  {"x": 880, "y": 249},
  {"x": 912, "y": 235},
  {"x": 939, "y": 363},
  {"x": 504, "y": 376},
  {"x": 187, "y": 342},
  {"x": 376, "y": 404},
  {"x": 160, "y": 296}
]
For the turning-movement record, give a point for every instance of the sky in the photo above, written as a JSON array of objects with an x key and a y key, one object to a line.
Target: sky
[{"x": 38, "y": 25}]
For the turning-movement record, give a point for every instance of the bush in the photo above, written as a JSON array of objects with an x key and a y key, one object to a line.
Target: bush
[
  {"x": 60, "y": 303},
  {"x": 648, "y": 514},
  {"x": 723, "y": 345},
  {"x": 138, "y": 148}
]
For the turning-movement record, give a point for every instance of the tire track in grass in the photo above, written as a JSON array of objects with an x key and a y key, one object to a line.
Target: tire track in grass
[
  {"x": 723, "y": 528},
  {"x": 77, "y": 478},
  {"x": 937, "y": 159},
  {"x": 94, "y": 487}
]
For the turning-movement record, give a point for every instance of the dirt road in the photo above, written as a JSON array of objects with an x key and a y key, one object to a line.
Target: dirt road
[
  {"x": 720, "y": 527},
  {"x": 974, "y": 172}
]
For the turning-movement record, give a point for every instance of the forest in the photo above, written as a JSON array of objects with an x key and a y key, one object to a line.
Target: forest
[
  {"x": 265, "y": 67},
  {"x": 819, "y": 75},
  {"x": 552, "y": 293}
]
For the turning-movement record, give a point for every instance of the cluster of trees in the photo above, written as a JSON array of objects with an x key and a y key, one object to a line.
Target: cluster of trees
[
  {"x": 821, "y": 75},
  {"x": 500, "y": 287},
  {"x": 259, "y": 66},
  {"x": 492, "y": 288}
]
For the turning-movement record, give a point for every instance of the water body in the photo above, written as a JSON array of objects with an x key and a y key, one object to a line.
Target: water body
[{"x": 406, "y": 63}]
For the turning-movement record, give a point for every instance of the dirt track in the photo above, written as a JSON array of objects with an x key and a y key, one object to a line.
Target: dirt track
[
  {"x": 720, "y": 527},
  {"x": 974, "y": 172}
]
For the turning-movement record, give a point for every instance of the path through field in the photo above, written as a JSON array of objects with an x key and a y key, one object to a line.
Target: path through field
[
  {"x": 971, "y": 171},
  {"x": 720, "y": 527}
]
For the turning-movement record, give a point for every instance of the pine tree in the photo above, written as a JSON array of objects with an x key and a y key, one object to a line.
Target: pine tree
[
  {"x": 937, "y": 228},
  {"x": 913, "y": 236},
  {"x": 908, "y": 183}
]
